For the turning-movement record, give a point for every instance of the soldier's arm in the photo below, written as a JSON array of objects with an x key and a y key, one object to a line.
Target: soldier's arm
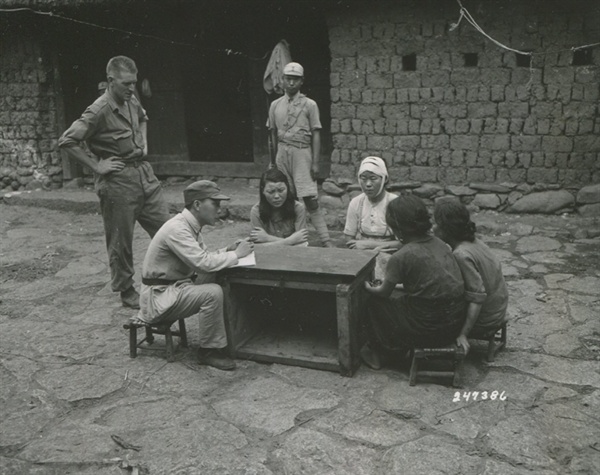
[{"x": 80, "y": 130}]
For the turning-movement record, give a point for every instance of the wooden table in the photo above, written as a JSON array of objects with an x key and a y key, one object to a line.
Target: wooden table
[{"x": 298, "y": 306}]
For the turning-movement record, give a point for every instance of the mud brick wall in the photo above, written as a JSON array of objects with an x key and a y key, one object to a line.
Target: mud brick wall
[
  {"x": 28, "y": 130},
  {"x": 453, "y": 124}
]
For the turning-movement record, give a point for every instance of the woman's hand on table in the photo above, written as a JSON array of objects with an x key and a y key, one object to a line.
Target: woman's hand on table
[
  {"x": 259, "y": 235},
  {"x": 383, "y": 249},
  {"x": 357, "y": 244},
  {"x": 298, "y": 237}
]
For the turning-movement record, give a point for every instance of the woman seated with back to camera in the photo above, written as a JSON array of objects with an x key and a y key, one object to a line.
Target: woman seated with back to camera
[
  {"x": 485, "y": 289},
  {"x": 430, "y": 310},
  {"x": 278, "y": 218}
]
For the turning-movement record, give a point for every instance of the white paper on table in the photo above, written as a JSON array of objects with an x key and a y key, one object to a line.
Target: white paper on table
[{"x": 249, "y": 260}]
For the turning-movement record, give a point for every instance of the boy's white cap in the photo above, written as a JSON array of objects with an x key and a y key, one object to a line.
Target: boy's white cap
[{"x": 293, "y": 69}]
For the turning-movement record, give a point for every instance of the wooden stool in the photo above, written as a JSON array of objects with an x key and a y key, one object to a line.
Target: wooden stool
[
  {"x": 454, "y": 354},
  {"x": 151, "y": 330},
  {"x": 496, "y": 341}
]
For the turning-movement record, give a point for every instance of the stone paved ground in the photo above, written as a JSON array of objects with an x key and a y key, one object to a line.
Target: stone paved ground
[{"x": 67, "y": 384}]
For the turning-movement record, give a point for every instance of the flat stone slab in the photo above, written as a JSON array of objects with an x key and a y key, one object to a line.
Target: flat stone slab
[
  {"x": 85, "y": 265},
  {"x": 311, "y": 452},
  {"x": 546, "y": 202},
  {"x": 486, "y": 200},
  {"x": 552, "y": 368},
  {"x": 589, "y": 194},
  {"x": 270, "y": 404},
  {"x": 77, "y": 382},
  {"x": 561, "y": 344},
  {"x": 521, "y": 439},
  {"x": 585, "y": 285},
  {"x": 520, "y": 229},
  {"x": 367, "y": 424},
  {"x": 421, "y": 457},
  {"x": 489, "y": 187},
  {"x": 537, "y": 244},
  {"x": 460, "y": 190},
  {"x": 555, "y": 258},
  {"x": 589, "y": 211}
]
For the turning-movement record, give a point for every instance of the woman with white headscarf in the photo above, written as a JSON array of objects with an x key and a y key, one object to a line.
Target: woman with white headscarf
[{"x": 366, "y": 227}]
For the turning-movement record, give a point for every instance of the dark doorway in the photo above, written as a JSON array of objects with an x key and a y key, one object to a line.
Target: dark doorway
[{"x": 218, "y": 113}]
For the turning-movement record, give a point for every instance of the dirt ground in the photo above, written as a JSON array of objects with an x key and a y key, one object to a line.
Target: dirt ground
[{"x": 73, "y": 402}]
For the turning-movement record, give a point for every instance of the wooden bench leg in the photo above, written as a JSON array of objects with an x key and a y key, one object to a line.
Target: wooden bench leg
[
  {"x": 458, "y": 366},
  {"x": 149, "y": 335},
  {"x": 182, "y": 334},
  {"x": 132, "y": 341},
  {"x": 495, "y": 345},
  {"x": 169, "y": 344},
  {"x": 414, "y": 367}
]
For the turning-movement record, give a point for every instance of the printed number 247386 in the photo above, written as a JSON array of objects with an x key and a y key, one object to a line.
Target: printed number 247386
[{"x": 479, "y": 396}]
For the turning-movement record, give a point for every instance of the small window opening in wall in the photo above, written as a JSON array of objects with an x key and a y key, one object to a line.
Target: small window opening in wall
[
  {"x": 409, "y": 62},
  {"x": 582, "y": 57},
  {"x": 471, "y": 60},
  {"x": 523, "y": 60}
]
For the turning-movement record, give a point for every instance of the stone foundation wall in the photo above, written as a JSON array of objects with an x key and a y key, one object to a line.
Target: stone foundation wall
[
  {"x": 508, "y": 197},
  {"x": 28, "y": 131},
  {"x": 448, "y": 123}
]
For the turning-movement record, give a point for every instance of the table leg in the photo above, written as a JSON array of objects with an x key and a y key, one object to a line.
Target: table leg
[{"x": 348, "y": 313}]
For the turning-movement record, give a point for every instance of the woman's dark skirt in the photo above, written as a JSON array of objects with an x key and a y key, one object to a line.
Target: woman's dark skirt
[{"x": 402, "y": 322}]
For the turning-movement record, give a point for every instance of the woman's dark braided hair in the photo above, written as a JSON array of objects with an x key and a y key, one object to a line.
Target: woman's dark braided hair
[
  {"x": 454, "y": 220},
  {"x": 407, "y": 215},
  {"x": 265, "y": 210}
]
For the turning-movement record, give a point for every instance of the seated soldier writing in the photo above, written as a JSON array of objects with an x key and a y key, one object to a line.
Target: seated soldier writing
[
  {"x": 485, "y": 289},
  {"x": 278, "y": 218},
  {"x": 430, "y": 310},
  {"x": 169, "y": 291}
]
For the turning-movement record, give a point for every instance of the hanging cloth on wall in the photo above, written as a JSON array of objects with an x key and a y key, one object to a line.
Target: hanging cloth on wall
[{"x": 273, "y": 78}]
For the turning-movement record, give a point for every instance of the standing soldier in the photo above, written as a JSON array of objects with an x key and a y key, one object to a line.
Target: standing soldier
[
  {"x": 296, "y": 144},
  {"x": 114, "y": 128}
]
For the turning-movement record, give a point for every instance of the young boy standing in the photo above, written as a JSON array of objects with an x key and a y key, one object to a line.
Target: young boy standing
[{"x": 296, "y": 144}]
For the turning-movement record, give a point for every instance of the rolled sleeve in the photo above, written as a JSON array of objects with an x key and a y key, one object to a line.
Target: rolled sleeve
[
  {"x": 474, "y": 286},
  {"x": 80, "y": 130}
]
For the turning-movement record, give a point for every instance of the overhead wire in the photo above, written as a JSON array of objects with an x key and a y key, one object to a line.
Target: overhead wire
[
  {"x": 464, "y": 13},
  {"x": 226, "y": 51}
]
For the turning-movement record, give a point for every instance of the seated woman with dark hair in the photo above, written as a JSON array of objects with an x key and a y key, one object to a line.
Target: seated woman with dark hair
[
  {"x": 278, "y": 218},
  {"x": 485, "y": 289},
  {"x": 430, "y": 310}
]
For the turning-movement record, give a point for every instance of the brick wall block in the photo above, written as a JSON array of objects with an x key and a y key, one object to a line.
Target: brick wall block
[
  {"x": 406, "y": 79},
  {"x": 513, "y": 109},
  {"x": 453, "y": 175},
  {"x": 379, "y": 142},
  {"x": 438, "y": 142},
  {"x": 464, "y": 142},
  {"x": 561, "y": 75},
  {"x": 424, "y": 174},
  {"x": 557, "y": 144},
  {"x": 525, "y": 143},
  {"x": 542, "y": 175},
  {"x": 495, "y": 142}
]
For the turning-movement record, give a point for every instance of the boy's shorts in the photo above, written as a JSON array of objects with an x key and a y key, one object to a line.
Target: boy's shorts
[{"x": 295, "y": 163}]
